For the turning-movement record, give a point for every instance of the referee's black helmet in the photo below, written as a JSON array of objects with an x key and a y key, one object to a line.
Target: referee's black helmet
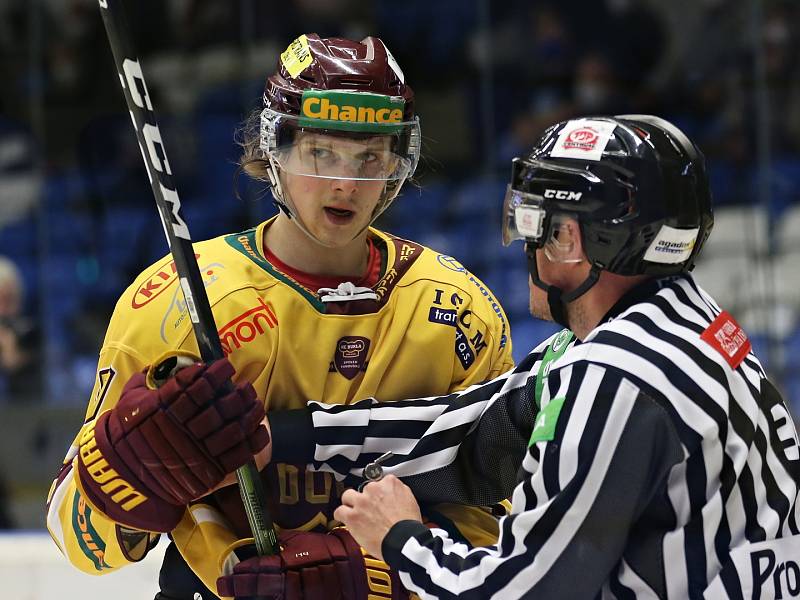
[{"x": 635, "y": 183}]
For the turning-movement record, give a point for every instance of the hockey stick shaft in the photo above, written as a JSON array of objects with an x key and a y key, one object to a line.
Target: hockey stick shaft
[{"x": 159, "y": 172}]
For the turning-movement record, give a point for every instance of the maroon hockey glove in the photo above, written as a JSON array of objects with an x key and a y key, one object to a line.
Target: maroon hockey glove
[
  {"x": 313, "y": 566},
  {"x": 158, "y": 449}
]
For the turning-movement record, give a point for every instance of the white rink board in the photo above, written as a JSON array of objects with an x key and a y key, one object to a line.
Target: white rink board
[{"x": 32, "y": 568}]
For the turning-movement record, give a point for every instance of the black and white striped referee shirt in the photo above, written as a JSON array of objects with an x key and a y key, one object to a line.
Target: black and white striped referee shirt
[{"x": 655, "y": 461}]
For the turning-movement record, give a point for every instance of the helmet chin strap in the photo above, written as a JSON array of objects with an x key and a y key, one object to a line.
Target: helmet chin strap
[{"x": 557, "y": 300}]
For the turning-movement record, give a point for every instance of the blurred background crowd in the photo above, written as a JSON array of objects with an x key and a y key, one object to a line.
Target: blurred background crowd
[{"x": 78, "y": 223}]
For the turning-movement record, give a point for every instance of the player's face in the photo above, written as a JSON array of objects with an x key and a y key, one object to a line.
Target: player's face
[{"x": 333, "y": 183}]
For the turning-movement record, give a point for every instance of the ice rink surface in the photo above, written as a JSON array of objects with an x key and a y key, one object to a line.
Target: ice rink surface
[{"x": 32, "y": 568}]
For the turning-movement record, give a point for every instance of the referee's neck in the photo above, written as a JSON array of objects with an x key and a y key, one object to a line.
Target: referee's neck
[{"x": 587, "y": 311}]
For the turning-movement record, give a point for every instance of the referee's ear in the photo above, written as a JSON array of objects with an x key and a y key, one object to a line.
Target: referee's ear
[{"x": 566, "y": 242}]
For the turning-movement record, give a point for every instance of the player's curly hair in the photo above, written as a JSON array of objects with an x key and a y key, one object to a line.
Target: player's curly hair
[{"x": 252, "y": 160}]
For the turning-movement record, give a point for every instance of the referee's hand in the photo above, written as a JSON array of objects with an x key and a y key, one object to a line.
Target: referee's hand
[{"x": 370, "y": 514}]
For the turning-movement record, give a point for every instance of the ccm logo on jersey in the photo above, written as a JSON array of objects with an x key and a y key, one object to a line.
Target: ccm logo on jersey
[
  {"x": 563, "y": 195},
  {"x": 127, "y": 496}
]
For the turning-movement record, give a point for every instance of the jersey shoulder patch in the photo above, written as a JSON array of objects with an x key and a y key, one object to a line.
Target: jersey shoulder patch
[{"x": 728, "y": 338}]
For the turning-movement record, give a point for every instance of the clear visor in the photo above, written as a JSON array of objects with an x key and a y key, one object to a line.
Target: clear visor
[
  {"x": 523, "y": 217},
  {"x": 382, "y": 153}
]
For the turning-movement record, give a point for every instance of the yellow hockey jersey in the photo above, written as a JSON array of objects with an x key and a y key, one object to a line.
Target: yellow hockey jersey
[{"x": 429, "y": 327}]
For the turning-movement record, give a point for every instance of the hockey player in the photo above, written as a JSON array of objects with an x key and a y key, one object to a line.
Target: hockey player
[
  {"x": 657, "y": 460},
  {"x": 313, "y": 303}
]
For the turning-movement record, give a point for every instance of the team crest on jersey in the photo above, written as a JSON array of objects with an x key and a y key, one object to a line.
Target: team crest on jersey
[{"x": 350, "y": 357}]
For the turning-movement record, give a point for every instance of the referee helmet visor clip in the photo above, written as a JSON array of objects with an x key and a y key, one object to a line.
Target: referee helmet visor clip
[{"x": 523, "y": 217}]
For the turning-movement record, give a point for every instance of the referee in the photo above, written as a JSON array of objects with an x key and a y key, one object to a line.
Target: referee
[{"x": 646, "y": 453}]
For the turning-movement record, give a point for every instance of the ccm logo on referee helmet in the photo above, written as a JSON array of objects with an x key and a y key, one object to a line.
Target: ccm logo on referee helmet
[{"x": 563, "y": 195}]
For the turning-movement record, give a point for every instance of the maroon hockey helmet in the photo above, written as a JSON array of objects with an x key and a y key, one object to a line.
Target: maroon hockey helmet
[
  {"x": 314, "y": 63},
  {"x": 343, "y": 88}
]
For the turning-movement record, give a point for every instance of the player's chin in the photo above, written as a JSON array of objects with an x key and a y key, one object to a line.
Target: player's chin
[{"x": 337, "y": 236}]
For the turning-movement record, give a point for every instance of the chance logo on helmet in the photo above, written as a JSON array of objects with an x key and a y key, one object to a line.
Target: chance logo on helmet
[{"x": 350, "y": 111}]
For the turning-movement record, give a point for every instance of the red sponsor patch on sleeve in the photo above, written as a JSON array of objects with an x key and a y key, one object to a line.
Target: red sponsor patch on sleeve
[{"x": 727, "y": 337}]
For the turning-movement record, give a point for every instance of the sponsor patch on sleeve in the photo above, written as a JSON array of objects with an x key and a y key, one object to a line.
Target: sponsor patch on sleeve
[
  {"x": 671, "y": 245},
  {"x": 583, "y": 138},
  {"x": 727, "y": 337},
  {"x": 544, "y": 428}
]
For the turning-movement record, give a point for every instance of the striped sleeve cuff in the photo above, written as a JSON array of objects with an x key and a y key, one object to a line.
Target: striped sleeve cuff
[
  {"x": 292, "y": 433},
  {"x": 398, "y": 535}
]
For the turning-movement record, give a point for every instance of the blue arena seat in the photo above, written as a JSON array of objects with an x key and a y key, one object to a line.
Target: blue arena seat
[{"x": 528, "y": 333}]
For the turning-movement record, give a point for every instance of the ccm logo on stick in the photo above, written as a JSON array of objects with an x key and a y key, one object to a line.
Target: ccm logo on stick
[
  {"x": 563, "y": 194},
  {"x": 153, "y": 147}
]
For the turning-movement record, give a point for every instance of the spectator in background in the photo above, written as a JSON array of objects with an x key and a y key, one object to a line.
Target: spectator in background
[
  {"x": 20, "y": 180},
  {"x": 19, "y": 340}
]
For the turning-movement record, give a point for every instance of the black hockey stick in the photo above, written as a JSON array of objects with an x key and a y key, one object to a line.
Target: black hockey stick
[{"x": 180, "y": 243}]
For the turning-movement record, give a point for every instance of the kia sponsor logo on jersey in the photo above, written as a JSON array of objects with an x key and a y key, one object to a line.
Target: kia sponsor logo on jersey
[
  {"x": 583, "y": 138},
  {"x": 350, "y": 357},
  {"x": 247, "y": 326},
  {"x": 155, "y": 284}
]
